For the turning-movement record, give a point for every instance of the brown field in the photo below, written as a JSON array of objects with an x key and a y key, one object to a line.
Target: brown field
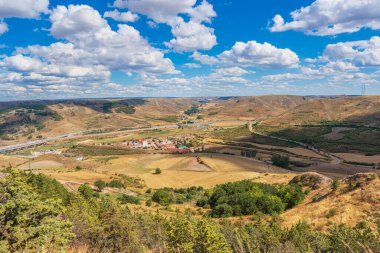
[
  {"x": 6, "y": 161},
  {"x": 177, "y": 170},
  {"x": 359, "y": 158}
]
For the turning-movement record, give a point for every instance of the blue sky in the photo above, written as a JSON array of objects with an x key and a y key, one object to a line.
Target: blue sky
[{"x": 163, "y": 48}]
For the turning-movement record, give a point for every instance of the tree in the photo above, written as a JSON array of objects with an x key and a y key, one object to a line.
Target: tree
[
  {"x": 181, "y": 234},
  {"x": 222, "y": 210},
  {"x": 28, "y": 223},
  {"x": 163, "y": 196},
  {"x": 335, "y": 184},
  {"x": 280, "y": 161},
  {"x": 100, "y": 185},
  {"x": 86, "y": 191},
  {"x": 209, "y": 239}
]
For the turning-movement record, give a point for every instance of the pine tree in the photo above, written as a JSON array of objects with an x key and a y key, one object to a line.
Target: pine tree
[{"x": 28, "y": 223}]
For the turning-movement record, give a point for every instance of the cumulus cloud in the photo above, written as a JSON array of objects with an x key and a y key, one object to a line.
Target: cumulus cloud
[
  {"x": 121, "y": 16},
  {"x": 124, "y": 49},
  {"x": 3, "y": 28},
  {"x": 189, "y": 35},
  {"x": 331, "y": 17},
  {"x": 89, "y": 51},
  {"x": 204, "y": 59},
  {"x": 361, "y": 53},
  {"x": 21, "y": 9},
  {"x": 255, "y": 54}
]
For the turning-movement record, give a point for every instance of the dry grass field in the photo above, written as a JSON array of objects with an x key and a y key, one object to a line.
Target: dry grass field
[
  {"x": 178, "y": 171},
  {"x": 359, "y": 158},
  {"x": 6, "y": 161},
  {"x": 337, "y": 207}
]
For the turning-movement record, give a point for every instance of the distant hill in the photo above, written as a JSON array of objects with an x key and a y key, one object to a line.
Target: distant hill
[{"x": 20, "y": 120}]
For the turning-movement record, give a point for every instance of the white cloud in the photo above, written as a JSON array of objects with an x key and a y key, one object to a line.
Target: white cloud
[
  {"x": 203, "y": 12},
  {"x": 360, "y": 53},
  {"x": 331, "y": 17},
  {"x": 91, "y": 36},
  {"x": 3, "y": 28},
  {"x": 82, "y": 63},
  {"x": 21, "y": 9},
  {"x": 161, "y": 11},
  {"x": 75, "y": 20},
  {"x": 204, "y": 59},
  {"x": 121, "y": 16},
  {"x": 192, "y": 65},
  {"x": 233, "y": 71},
  {"x": 253, "y": 53},
  {"x": 189, "y": 35}
]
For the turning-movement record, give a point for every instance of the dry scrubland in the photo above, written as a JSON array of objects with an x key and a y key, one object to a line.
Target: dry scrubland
[{"x": 340, "y": 206}]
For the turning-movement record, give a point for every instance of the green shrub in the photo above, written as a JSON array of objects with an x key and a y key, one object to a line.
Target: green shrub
[
  {"x": 125, "y": 199},
  {"x": 280, "y": 161},
  {"x": 100, "y": 185},
  {"x": 163, "y": 196},
  {"x": 115, "y": 183}
]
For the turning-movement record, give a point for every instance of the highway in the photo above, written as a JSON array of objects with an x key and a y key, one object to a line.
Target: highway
[{"x": 31, "y": 144}]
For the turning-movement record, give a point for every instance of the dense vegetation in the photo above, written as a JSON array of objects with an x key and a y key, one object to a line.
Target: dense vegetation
[
  {"x": 119, "y": 107},
  {"x": 192, "y": 110},
  {"x": 246, "y": 197},
  {"x": 166, "y": 196},
  {"x": 37, "y": 214},
  {"x": 280, "y": 161}
]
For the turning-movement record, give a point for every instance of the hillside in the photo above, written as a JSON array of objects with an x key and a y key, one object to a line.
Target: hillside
[
  {"x": 356, "y": 198},
  {"x": 24, "y": 120},
  {"x": 362, "y": 110},
  {"x": 258, "y": 107}
]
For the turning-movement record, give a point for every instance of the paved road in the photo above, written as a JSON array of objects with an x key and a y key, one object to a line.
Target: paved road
[{"x": 87, "y": 133}]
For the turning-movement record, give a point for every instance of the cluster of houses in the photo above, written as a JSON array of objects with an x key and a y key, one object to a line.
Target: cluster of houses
[{"x": 177, "y": 144}]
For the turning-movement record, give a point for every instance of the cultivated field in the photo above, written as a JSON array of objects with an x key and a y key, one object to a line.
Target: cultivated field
[{"x": 178, "y": 171}]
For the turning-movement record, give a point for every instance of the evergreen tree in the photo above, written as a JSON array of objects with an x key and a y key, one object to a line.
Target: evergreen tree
[{"x": 28, "y": 223}]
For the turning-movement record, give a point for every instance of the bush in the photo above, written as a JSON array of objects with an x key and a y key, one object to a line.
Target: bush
[
  {"x": 335, "y": 184},
  {"x": 100, "y": 185},
  {"x": 331, "y": 213},
  {"x": 124, "y": 199},
  {"x": 157, "y": 171},
  {"x": 280, "y": 161},
  {"x": 163, "y": 196},
  {"x": 202, "y": 202},
  {"x": 86, "y": 191},
  {"x": 115, "y": 183},
  {"x": 222, "y": 210},
  {"x": 148, "y": 202}
]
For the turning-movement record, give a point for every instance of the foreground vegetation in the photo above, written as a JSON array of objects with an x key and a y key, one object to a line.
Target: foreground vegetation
[{"x": 37, "y": 214}]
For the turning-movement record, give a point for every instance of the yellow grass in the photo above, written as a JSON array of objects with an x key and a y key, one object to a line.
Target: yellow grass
[
  {"x": 177, "y": 170},
  {"x": 350, "y": 206},
  {"x": 6, "y": 161}
]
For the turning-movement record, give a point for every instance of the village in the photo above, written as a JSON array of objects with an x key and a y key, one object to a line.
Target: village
[{"x": 173, "y": 144}]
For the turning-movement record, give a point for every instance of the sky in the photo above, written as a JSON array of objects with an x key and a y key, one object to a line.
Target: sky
[{"x": 54, "y": 49}]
